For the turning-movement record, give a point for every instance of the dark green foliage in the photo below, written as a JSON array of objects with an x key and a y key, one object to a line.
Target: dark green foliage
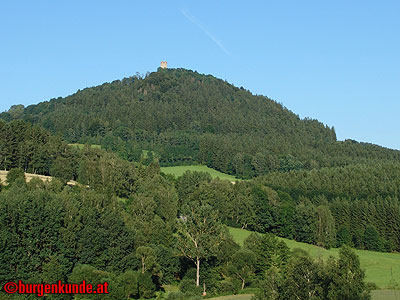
[
  {"x": 188, "y": 183},
  {"x": 188, "y": 286},
  {"x": 147, "y": 259},
  {"x": 270, "y": 288},
  {"x": 169, "y": 264},
  {"x": 354, "y": 181},
  {"x": 347, "y": 278},
  {"x": 306, "y": 222},
  {"x": 263, "y": 198},
  {"x": 304, "y": 278},
  {"x": 314, "y": 224},
  {"x": 98, "y": 232},
  {"x": 34, "y": 150},
  {"x": 186, "y": 117},
  {"x": 269, "y": 251},
  {"x": 50, "y": 232},
  {"x": 326, "y": 232},
  {"x": 146, "y": 286},
  {"x": 44, "y": 229},
  {"x": 93, "y": 276},
  {"x": 128, "y": 283},
  {"x": 343, "y": 237},
  {"x": 345, "y": 200},
  {"x": 15, "y": 174},
  {"x": 228, "y": 287},
  {"x": 200, "y": 235},
  {"x": 89, "y": 274},
  {"x": 30, "y": 231},
  {"x": 372, "y": 240},
  {"x": 243, "y": 266},
  {"x": 56, "y": 268}
]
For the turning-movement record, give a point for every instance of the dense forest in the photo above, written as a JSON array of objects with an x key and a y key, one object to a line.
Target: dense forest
[
  {"x": 127, "y": 223},
  {"x": 137, "y": 229},
  {"x": 355, "y": 205},
  {"x": 184, "y": 117}
]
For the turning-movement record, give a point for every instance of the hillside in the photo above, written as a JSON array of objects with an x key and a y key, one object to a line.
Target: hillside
[
  {"x": 87, "y": 231},
  {"x": 189, "y": 118},
  {"x": 383, "y": 269}
]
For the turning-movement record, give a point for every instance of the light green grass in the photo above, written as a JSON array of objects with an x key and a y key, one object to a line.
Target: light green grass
[
  {"x": 179, "y": 170},
  {"x": 385, "y": 295},
  {"x": 80, "y": 146},
  {"x": 380, "y": 268},
  {"x": 233, "y": 297}
]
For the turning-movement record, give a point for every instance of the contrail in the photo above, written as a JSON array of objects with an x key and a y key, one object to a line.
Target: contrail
[{"x": 201, "y": 26}]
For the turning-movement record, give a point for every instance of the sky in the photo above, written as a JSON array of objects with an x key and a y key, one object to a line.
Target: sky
[{"x": 335, "y": 61}]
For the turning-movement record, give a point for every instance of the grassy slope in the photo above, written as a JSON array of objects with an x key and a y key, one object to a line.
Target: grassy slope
[
  {"x": 378, "y": 266},
  {"x": 386, "y": 295},
  {"x": 179, "y": 170}
]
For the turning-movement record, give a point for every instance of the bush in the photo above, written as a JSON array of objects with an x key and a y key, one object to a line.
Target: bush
[
  {"x": 188, "y": 286},
  {"x": 146, "y": 285},
  {"x": 14, "y": 174},
  {"x": 229, "y": 287}
]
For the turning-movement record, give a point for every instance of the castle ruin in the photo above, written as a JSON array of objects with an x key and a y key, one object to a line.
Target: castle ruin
[{"x": 163, "y": 65}]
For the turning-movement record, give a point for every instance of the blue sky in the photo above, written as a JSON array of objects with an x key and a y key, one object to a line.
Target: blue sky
[{"x": 336, "y": 61}]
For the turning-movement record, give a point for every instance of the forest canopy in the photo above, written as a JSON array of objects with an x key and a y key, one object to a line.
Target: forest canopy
[{"x": 184, "y": 117}]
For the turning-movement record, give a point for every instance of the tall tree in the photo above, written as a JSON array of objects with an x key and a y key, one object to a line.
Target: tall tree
[
  {"x": 243, "y": 265},
  {"x": 347, "y": 277},
  {"x": 199, "y": 235}
]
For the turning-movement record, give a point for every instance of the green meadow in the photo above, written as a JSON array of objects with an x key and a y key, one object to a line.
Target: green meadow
[
  {"x": 179, "y": 170},
  {"x": 385, "y": 295},
  {"x": 383, "y": 269}
]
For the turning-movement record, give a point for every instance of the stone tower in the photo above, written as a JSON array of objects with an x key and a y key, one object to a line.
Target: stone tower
[{"x": 163, "y": 65}]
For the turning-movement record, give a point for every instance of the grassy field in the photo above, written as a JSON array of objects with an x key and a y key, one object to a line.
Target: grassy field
[
  {"x": 179, "y": 170},
  {"x": 385, "y": 295},
  {"x": 380, "y": 268}
]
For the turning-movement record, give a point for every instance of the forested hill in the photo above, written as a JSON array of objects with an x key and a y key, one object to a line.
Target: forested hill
[{"x": 185, "y": 117}]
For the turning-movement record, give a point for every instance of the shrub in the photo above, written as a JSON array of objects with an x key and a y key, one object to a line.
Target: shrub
[{"x": 14, "y": 174}]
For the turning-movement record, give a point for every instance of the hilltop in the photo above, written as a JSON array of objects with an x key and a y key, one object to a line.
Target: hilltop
[{"x": 185, "y": 118}]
